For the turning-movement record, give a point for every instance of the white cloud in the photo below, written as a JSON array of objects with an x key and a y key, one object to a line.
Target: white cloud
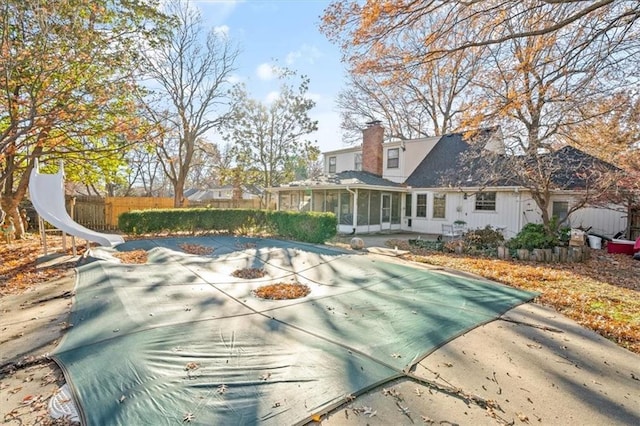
[
  {"x": 221, "y": 30},
  {"x": 267, "y": 71},
  {"x": 306, "y": 53}
]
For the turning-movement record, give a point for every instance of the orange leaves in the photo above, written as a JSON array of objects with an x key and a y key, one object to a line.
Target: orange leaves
[
  {"x": 18, "y": 269},
  {"x": 132, "y": 257},
  {"x": 282, "y": 291}
]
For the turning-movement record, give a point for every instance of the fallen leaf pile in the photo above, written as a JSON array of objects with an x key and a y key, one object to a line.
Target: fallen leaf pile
[
  {"x": 282, "y": 291},
  {"x": 132, "y": 257},
  {"x": 196, "y": 249},
  {"x": 249, "y": 273},
  {"x": 18, "y": 268},
  {"x": 602, "y": 294}
]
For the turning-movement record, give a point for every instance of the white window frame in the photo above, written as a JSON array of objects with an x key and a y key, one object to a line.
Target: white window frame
[
  {"x": 333, "y": 161},
  {"x": 393, "y": 162},
  {"x": 418, "y": 205},
  {"x": 486, "y": 205}
]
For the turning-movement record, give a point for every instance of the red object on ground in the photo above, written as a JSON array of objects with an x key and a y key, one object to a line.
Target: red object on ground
[
  {"x": 621, "y": 246},
  {"x": 636, "y": 246}
]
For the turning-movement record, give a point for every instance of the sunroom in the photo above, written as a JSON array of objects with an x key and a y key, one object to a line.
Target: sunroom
[{"x": 361, "y": 201}]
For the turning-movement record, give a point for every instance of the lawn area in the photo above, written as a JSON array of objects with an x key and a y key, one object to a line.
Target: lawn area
[{"x": 602, "y": 294}]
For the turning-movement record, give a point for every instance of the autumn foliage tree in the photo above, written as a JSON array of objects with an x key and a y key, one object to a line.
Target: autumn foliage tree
[
  {"x": 66, "y": 87},
  {"x": 544, "y": 70}
]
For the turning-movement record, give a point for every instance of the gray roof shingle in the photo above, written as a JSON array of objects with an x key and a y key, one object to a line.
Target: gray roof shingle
[{"x": 451, "y": 162}]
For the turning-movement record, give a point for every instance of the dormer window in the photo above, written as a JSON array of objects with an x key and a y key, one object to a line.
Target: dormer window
[
  {"x": 332, "y": 164},
  {"x": 393, "y": 158}
]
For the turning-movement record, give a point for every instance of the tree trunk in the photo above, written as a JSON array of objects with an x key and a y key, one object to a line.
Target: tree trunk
[
  {"x": 10, "y": 200},
  {"x": 178, "y": 192}
]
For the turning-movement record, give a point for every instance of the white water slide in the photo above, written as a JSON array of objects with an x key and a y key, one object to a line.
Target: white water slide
[{"x": 47, "y": 196}]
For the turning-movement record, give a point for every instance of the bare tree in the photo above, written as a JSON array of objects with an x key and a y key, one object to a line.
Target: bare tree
[
  {"x": 145, "y": 171},
  {"x": 413, "y": 99},
  {"x": 364, "y": 29},
  {"x": 189, "y": 85},
  {"x": 204, "y": 170}
]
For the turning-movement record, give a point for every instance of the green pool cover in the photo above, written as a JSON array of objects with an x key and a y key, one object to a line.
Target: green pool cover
[{"x": 181, "y": 339}]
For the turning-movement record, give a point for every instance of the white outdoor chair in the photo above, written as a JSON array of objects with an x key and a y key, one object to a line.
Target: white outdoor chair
[{"x": 452, "y": 231}]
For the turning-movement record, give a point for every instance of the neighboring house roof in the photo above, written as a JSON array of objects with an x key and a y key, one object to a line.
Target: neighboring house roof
[
  {"x": 213, "y": 193},
  {"x": 346, "y": 178},
  {"x": 253, "y": 189},
  {"x": 190, "y": 191},
  {"x": 201, "y": 195}
]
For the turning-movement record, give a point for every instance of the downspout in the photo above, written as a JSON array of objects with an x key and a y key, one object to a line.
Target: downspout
[
  {"x": 519, "y": 211},
  {"x": 355, "y": 209}
]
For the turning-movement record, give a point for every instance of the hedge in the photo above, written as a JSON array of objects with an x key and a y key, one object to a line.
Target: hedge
[{"x": 311, "y": 227}]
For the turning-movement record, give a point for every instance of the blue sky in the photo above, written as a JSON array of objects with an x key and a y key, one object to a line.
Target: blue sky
[{"x": 283, "y": 33}]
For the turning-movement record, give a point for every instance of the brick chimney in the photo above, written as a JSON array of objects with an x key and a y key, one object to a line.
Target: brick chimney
[{"x": 372, "y": 138}]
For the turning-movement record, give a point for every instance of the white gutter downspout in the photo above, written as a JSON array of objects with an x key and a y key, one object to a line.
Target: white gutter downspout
[{"x": 355, "y": 208}]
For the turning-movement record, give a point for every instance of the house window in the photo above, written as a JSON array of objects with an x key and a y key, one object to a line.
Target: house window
[
  {"x": 332, "y": 164},
  {"x": 358, "y": 162},
  {"x": 421, "y": 205},
  {"x": 560, "y": 210},
  {"x": 407, "y": 205},
  {"x": 439, "y": 206},
  {"x": 486, "y": 201},
  {"x": 393, "y": 158}
]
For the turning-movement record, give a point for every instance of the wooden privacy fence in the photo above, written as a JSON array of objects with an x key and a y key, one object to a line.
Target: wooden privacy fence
[{"x": 102, "y": 213}]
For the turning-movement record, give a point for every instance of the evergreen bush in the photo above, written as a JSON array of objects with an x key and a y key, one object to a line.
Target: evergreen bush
[{"x": 312, "y": 227}]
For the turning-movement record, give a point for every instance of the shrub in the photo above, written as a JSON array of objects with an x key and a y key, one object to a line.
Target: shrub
[
  {"x": 312, "y": 227},
  {"x": 480, "y": 240},
  {"x": 533, "y": 236}
]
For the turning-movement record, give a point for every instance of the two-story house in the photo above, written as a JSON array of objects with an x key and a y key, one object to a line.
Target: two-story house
[{"x": 408, "y": 185}]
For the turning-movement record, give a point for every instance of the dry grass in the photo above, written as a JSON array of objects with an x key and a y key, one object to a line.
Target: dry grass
[{"x": 602, "y": 294}]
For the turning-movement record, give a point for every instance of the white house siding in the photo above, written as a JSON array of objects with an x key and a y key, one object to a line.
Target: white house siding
[
  {"x": 345, "y": 159},
  {"x": 513, "y": 211},
  {"x": 506, "y": 216},
  {"x": 602, "y": 221},
  {"x": 410, "y": 157}
]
